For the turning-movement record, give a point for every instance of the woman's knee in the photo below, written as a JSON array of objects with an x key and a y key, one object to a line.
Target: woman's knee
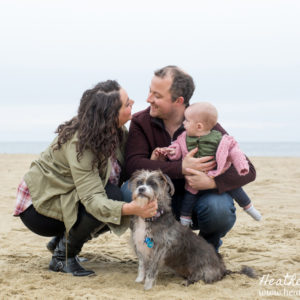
[{"x": 40, "y": 224}]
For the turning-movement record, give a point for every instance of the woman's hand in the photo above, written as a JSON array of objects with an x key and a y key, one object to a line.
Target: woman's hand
[
  {"x": 199, "y": 180},
  {"x": 147, "y": 211},
  {"x": 202, "y": 164}
]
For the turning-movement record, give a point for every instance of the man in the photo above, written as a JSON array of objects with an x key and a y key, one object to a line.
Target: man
[{"x": 161, "y": 123}]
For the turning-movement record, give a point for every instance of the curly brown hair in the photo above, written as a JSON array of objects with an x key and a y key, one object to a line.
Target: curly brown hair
[{"x": 96, "y": 123}]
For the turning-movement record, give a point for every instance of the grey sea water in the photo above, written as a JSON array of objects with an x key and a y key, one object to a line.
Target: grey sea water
[
  {"x": 249, "y": 148},
  {"x": 271, "y": 149}
]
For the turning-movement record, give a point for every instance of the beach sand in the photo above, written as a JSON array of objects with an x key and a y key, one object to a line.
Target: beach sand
[{"x": 271, "y": 247}]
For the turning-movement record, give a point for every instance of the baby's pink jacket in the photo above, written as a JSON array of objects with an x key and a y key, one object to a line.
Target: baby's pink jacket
[{"x": 228, "y": 153}]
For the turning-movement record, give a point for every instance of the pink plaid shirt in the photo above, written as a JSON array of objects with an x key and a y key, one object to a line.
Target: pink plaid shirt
[{"x": 23, "y": 198}]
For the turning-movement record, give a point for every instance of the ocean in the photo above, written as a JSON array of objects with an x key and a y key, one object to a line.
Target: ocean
[{"x": 290, "y": 149}]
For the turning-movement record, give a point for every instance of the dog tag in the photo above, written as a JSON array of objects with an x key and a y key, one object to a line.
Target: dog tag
[{"x": 149, "y": 242}]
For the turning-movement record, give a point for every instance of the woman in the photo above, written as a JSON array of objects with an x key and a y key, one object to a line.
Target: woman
[{"x": 70, "y": 192}]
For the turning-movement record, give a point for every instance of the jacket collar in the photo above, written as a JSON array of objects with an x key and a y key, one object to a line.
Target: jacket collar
[{"x": 159, "y": 122}]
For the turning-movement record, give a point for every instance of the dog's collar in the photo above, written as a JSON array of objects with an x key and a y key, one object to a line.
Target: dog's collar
[{"x": 154, "y": 218}]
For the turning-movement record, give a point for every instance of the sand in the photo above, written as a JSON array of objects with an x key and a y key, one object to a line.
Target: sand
[{"x": 271, "y": 247}]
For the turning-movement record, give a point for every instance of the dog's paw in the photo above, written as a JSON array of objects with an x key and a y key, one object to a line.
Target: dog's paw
[
  {"x": 185, "y": 283},
  {"x": 139, "y": 279},
  {"x": 148, "y": 284}
]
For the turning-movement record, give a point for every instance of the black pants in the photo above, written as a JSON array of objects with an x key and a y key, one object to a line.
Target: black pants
[{"x": 46, "y": 226}]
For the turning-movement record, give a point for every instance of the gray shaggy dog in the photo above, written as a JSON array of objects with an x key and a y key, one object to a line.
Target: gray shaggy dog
[{"x": 162, "y": 240}]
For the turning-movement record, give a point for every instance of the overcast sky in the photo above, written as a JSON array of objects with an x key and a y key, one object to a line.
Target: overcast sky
[{"x": 244, "y": 56}]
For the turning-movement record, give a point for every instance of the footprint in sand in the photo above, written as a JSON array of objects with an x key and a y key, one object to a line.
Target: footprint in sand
[{"x": 289, "y": 235}]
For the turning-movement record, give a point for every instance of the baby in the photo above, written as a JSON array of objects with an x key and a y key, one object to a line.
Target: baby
[{"x": 200, "y": 118}]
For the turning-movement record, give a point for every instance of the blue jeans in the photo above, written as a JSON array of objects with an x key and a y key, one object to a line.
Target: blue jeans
[{"x": 213, "y": 214}]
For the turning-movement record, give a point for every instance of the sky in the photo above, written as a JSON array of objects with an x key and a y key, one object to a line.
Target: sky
[{"x": 244, "y": 57}]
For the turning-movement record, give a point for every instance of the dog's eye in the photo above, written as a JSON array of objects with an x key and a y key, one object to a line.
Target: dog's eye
[
  {"x": 139, "y": 182},
  {"x": 152, "y": 183}
]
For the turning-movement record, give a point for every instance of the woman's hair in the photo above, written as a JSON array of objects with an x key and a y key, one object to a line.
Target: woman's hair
[{"x": 97, "y": 122}]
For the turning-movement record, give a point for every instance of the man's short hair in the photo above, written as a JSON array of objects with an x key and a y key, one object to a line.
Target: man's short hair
[{"x": 182, "y": 85}]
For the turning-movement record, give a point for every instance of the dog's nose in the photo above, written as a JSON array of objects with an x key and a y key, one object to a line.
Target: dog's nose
[{"x": 142, "y": 189}]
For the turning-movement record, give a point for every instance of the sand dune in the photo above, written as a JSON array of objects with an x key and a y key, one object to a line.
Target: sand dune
[{"x": 271, "y": 247}]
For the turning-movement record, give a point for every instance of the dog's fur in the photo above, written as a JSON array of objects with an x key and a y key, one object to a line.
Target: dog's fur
[{"x": 174, "y": 245}]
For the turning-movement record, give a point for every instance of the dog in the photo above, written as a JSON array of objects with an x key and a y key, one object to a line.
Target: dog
[{"x": 161, "y": 240}]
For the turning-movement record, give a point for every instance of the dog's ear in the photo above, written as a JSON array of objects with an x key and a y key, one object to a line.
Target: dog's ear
[{"x": 169, "y": 182}]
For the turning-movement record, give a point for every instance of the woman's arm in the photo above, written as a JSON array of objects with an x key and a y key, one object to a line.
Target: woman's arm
[{"x": 91, "y": 192}]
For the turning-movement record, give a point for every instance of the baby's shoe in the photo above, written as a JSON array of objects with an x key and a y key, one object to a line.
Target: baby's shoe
[{"x": 253, "y": 212}]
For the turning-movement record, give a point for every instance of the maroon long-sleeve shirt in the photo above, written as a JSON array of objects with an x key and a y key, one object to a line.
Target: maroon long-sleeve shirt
[{"x": 147, "y": 133}]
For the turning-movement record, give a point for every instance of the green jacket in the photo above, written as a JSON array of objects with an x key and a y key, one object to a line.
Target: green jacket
[{"x": 57, "y": 182}]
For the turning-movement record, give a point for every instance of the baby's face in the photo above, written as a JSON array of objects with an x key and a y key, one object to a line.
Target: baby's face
[{"x": 190, "y": 124}]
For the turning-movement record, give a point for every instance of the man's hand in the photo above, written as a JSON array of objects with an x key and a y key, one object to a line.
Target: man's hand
[
  {"x": 199, "y": 180},
  {"x": 202, "y": 164}
]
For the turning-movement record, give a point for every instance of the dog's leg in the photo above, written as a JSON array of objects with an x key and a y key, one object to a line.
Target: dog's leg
[
  {"x": 152, "y": 268},
  {"x": 141, "y": 269},
  {"x": 150, "y": 280}
]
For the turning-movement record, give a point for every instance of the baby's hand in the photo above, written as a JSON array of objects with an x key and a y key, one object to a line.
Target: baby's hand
[
  {"x": 170, "y": 151},
  {"x": 158, "y": 154}
]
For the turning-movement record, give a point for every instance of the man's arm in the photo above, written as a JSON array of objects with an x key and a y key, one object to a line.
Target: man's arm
[
  {"x": 231, "y": 179},
  {"x": 224, "y": 182},
  {"x": 142, "y": 140}
]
